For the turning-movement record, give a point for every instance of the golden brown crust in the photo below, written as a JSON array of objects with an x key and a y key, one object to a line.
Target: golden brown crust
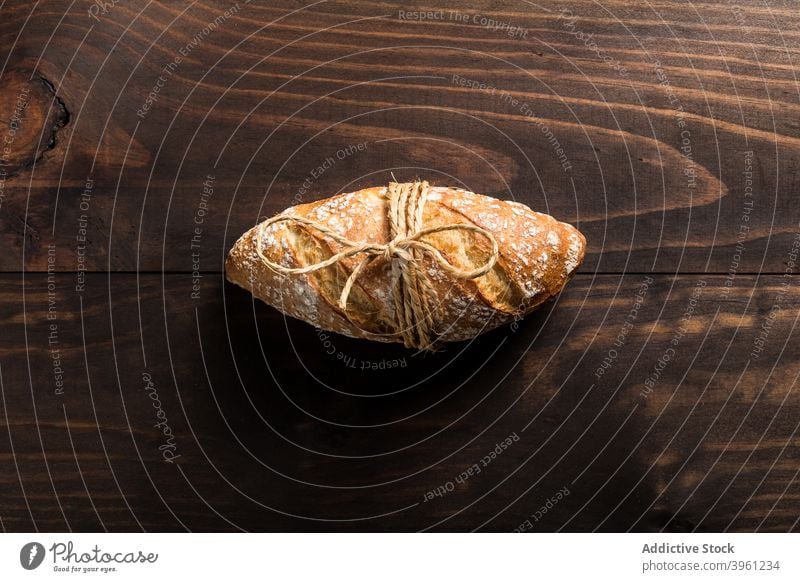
[{"x": 538, "y": 255}]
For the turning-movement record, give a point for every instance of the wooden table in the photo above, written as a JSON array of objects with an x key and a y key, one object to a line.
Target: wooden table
[{"x": 142, "y": 392}]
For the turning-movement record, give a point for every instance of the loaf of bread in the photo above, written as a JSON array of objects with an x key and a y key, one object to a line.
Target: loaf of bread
[{"x": 407, "y": 263}]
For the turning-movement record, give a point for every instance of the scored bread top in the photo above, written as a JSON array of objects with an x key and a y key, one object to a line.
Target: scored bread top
[{"x": 537, "y": 256}]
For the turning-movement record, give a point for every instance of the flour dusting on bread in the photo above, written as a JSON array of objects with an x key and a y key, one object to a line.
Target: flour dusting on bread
[{"x": 537, "y": 256}]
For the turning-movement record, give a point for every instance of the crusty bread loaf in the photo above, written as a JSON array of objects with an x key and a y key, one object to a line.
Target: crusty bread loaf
[{"x": 537, "y": 256}]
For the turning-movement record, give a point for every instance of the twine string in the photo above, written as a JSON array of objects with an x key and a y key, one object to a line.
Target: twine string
[{"x": 411, "y": 288}]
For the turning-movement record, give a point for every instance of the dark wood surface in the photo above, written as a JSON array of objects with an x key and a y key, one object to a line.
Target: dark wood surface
[{"x": 670, "y": 136}]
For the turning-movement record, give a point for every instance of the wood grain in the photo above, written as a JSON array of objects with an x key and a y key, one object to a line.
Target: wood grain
[
  {"x": 667, "y": 132},
  {"x": 31, "y": 116},
  {"x": 655, "y": 156},
  {"x": 328, "y": 445}
]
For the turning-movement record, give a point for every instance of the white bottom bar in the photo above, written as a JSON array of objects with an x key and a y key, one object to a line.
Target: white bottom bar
[{"x": 401, "y": 557}]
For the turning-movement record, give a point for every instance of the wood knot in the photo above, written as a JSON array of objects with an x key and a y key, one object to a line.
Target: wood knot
[{"x": 30, "y": 116}]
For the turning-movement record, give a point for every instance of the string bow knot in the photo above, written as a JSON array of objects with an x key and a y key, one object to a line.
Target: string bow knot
[{"x": 411, "y": 289}]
